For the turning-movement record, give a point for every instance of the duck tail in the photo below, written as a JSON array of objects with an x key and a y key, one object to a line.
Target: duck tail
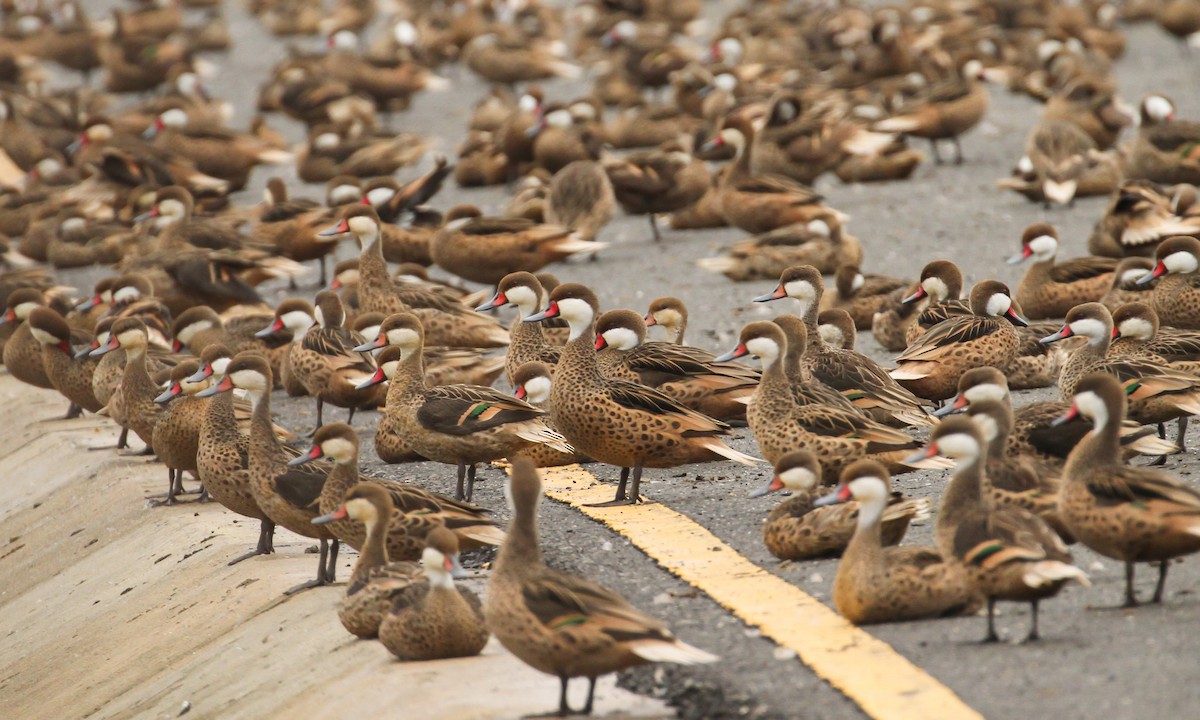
[
  {"x": 437, "y": 83},
  {"x": 486, "y": 534},
  {"x": 564, "y": 69},
  {"x": 1152, "y": 444},
  {"x": 536, "y": 431},
  {"x": 868, "y": 143},
  {"x": 899, "y": 124},
  {"x": 721, "y": 264},
  {"x": 672, "y": 651},
  {"x": 1045, "y": 572},
  {"x": 725, "y": 451},
  {"x": 273, "y": 156},
  {"x": 574, "y": 243},
  {"x": 201, "y": 182}
]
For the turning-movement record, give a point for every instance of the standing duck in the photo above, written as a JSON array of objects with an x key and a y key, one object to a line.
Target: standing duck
[
  {"x": 797, "y": 529},
  {"x": 1164, "y": 150},
  {"x": 527, "y": 603},
  {"x": 1176, "y": 297},
  {"x": 875, "y": 583},
  {"x": 950, "y": 109},
  {"x": 1008, "y": 553},
  {"x": 22, "y": 352},
  {"x": 532, "y": 383},
  {"x": 822, "y": 243},
  {"x": 781, "y": 424},
  {"x": 650, "y": 182},
  {"x": 136, "y": 393},
  {"x": 289, "y": 496},
  {"x": 176, "y": 438},
  {"x": 391, "y": 444},
  {"x": 198, "y": 327},
  {"x": 446, "y": 323},
  {"x": 434, "y": 619},
  {"x": 581, "y": 199},
  {"x": 460, "y": 425},
  {"x": 375, "y": 580},
  {"x": 669, "y": 313},
  {"x": 71, "y": 376},
  {"x": 485, "y": 249},
  {"x": 1127, "y": 513},
  {"x": 1049, "y": 289},
  {"x": 851, "y": 373},
  {"x": 527, "y": 341},
  {"x": 415, "y": 512},
  {"x": 931, "y": 366},
  {"x": 1125, "y": 288},
  {"x": 328, "y": 364},
  {"x": 1136, "y": 331},
  {"x": 689, "y": 375},
  {"x": 619, "y": 422}
]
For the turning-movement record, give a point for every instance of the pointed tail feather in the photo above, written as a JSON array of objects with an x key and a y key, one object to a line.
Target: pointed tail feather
[
  {"x": 720, "y": 264},
  {"x": 573, "y": 243},
  {"x": 1154, "y": 445},
  {"x": 866, "y": 142},
  {"x": 271, "y": 156},
  {"x": 487, "y": 534},
  {"x": 1045, "y": 572},
  {"x": 536, "y": 431},
  {"x": 900, "y": 124},
  {"x": 565, "y": 69},
  {"x": 725, "y": 451},
  {"x": 672, "y": 652}
]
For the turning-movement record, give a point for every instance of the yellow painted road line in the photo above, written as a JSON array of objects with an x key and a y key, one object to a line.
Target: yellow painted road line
[{"x": 885, "y": 684}]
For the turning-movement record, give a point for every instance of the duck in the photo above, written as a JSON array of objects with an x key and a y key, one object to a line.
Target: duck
[
  {"x": 292, "y": 227},
  {"x": 782, "y": 424},
  {"x": 1130, "y": 514},
  {"x": 951, "y": 108},
  {"x": 1049, "y": 289},
  {"x": 223, "y": 452},
  {"x": 136, "y": 409},
  {"x": 327, "y": 364},
  {"x": 528, "y": 342},
  {"x": 931, "y": 366},
  {"x": 1125, "y": 288},
  {"x": 1175, "y": 297},
  {"x": 531, "y": 383},
  {"x": 761, "y": 203},
  {"x": 670, "y": 314},
  {"x": 1158, "y": 392},
  {"x": 176, "y": 438},
  {"x": 797, "y": 530},
  {"x": 581, "y": 198},
  {"x": 822, "y": 243},
  {"x": 860, "y": 294},
  {"x": 851, "y": 373},
  {"x": 689, "y": 375},
  {"x": 485, "y": 249},
  {"x": 416, "y": 512},
  {"x": 937, "y": 294},
  {"x": 836, "y": 329},
  {"x": 526, "y": 602},
  {"x": 375, "y": 580},
  {"x": 287, "y": 495},
  {"x": 216, "y": 150},
  {"x": 1008, "y": 553},
  {"x": 446, "y": 323},
  {"x": 22, "y": 352},
  {"x": 460, "y": 425},
  {"x": 443, "y": 366},
  {"x": 1034, "y": 432},
  {"x": 512, "y": 60},
  {"x": 1061, "y": 163},
  {"x": 198, "y": 327},
  {"x": 596, "y": 413},
  {"x": 1164, "y": 148},
  {"x": 650, "y": 182},
  {"x": 806, "y": 387},
  {"x": 436, "y": 620},
  {"x": 332, "y": 151},
  {"x": 1090, "y": 103},
  {"x": 72, "y": 377},
  {"x": 1139, "y": 216},
  {"x": 1136, "y": 331},
  {"x": 876, "y": 583}
]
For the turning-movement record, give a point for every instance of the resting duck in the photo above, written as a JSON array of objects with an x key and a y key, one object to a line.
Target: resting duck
[
  {"x": 861, "y": 295},
  {"x": 938, "y": 291},
  {"x": 375, "y": 580},
  {"x": 1164, "y": 150},
  {"x": 931, "y": 366},
  {"x": 1049, "y": 289},
  {"x": 1008, "y": 553},
  {"x": 532, "y": 382},
  {"x": 877, "y": 584},
  {"x": 851, "y": 373},
  {"x": 807, "y": 388},
  {"x": 485, "y": 249},
  {"x": 650, "y": 182},
  {"x": 528, "y": 342},
  {"x": 1138, "y": 217},
  {"x": 216, "y": 150},
  {"x": 415, "y": 514},
  {"x": 526, "y": 602},
  {"x": 71, "y": 376},
  {"x": 689, "y": 375},
  {"x": 198, "y": 327},
  {"x": 1175, "y": 297},
  {"x": 22, "y": 352},
  {"x": 176, "y": 439},
  {"x": 797, "y": 529},
  {"x": 1125, "y": 288},
  {"x": 1136, "y": 331},
  {"x": 761, "y": 203},
  {"x": 781, "y": 423},
  {"x": 292, "y": 226},
  {"x": 581, "y": 198},
  {"x": 822, "y": 243},
  {"x": 599, "y": 415},
  {"x": 288, "y": 496},
  {"x": 1123, "y": 512},
  {"x": 446, "y": 323},
  {"x": 436, "y": 620},
  {"x": 461, "y": 425},
  {"x": 1061, "y": 162},
  {"x": 328, "y": 365}
]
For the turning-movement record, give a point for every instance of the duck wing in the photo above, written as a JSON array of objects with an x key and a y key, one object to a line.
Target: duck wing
[
  {"x": 1084, "y": 268},
  {"x": 947, "y": 334},
  {"x": 560, "y": 601},
  {"x": 1007, "y": 535},
  {"x": 465, "y": 409},
  {"x": 640, "y": 398}
]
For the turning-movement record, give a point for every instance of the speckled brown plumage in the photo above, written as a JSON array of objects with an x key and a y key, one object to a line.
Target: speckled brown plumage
[
  {"x": 528, "y": 341},
  {"x": 1049, "y": 289},
  {"x": 22, "y": 352},
  {"x": 70, "y": 376}
]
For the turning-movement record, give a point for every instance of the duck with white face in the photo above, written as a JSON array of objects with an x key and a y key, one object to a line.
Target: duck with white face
[
  {"x": 1175, "y": 297},
  {"x": 1049, "y": 289}
]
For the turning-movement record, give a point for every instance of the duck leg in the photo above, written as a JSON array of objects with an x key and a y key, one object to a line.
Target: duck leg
[
  {"x": 958, "y": 155},
  {"x": 563, "y": 708},
  {"x": 620, "y": 498},
  {"x": 1033, "y": 630},
  {"x": 933, "y": 148},
  {"x": 266, "y": 542},
  {"x": 350, "y": 417},
  {"x": 587, "y": 709},
  {"x": 991, "y": 633},
  {"x": 320, "y": 418},
  {"x": 460, "y": 490},
  {"x": 73, "y": 411},
  {"x": 470, "y": 482},
  {"x": 1130, "y": 596},
  {"x": 321, "y": 579},
  {"x": 654, "y": 227},
  {"x": 321, "y": 279},
  {"x": 1182, "y": 430},
  {"x": 1162, "y": 581},
  {"x": 331, "y": 568}
]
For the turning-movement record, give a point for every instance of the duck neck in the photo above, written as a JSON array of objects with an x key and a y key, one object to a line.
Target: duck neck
[
  {"x": 265, "y": 454},
  {"x": 964, "y": 494},
  {"x": 219, "y": 419},
  {"x": 520, "y": 550},
  {"x": 410, "y": 374},
  {"x": 1098, "y": 449},
  {"x": 374, "y": 552},
  {"x": 578, "y": 361},
  {"x": 372, "y": 268},
  {"x": 867, "y": 542}
]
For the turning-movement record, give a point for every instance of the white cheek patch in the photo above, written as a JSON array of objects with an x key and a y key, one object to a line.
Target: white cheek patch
[
  {"x": 380, "y": 195},
  {"x": 343, "y": 194},
  {"x": 248, "y": 379},
  {"x": 820, "y": 227},
  {"x": 857, "y": 283},
  {"x": 338, "y": 449},
  {"x": 764, "y": 349},
  {"x": 1090, "y": 404},
  {"x": 188, "y": 332},
  {"x": 360, "y": 509},
  {"x": 1091, "y": 328},
  {"x": 988, "y": 425},
  {"x": 1044, "y": 247},
  {"x": 326, "y": 141},
  {"x": 936, "y": 288},
  {"x": 801, "y": 290},
  {"x": 668, "y": 318},
  {"x": 523, "y": 297},
  {"x": 127, "y": 294},
  {"x": 1138, "y": 328},
  {"x": 171, "y": 208},
  {"x": 219, "y": 366},
  {"x": 575, "y": 311},
  {"x": 43, "y": 337},
  {"x": 1158, "y": 107},
  {"x": 297, "y": 320},
  {"x": 1133, "y": 275},
  {"x": 867, "y": 488},
  {"x": 71, "y": 224},
  {"x": 1180, "y": 262},
  {"x": 831, "y": 335},
  {"x": 402, "y": 337},
  {"x": 798, "y": 478},
  {"x": 958, "y": 445},
  {"x": 389, "y": 369},
  {"x": 986, "y": 391},
  {"x": 537, "y": 390},
  {"x": 621, "y": 338},
  {"x": 998, "y": 304},
  {"x": 319, "y": 315}
]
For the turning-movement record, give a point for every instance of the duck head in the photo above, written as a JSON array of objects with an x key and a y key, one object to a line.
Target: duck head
[
  {"x": 1039, "y": 241},
  {"x": 1179, "y": 255},
  {"x": 620, "y": 329},
  {"x": 1090, "y": 320},
  {"x": 940, "y": 280},
  {"x": 336, "y": 441},
  {"x": 764, "y": 340},
  {"x": 797, "y": 471},
  {"x": 573, "y": 302}
]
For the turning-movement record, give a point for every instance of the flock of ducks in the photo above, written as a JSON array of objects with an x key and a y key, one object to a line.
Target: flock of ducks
[{"x": 179, "y": 348}]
